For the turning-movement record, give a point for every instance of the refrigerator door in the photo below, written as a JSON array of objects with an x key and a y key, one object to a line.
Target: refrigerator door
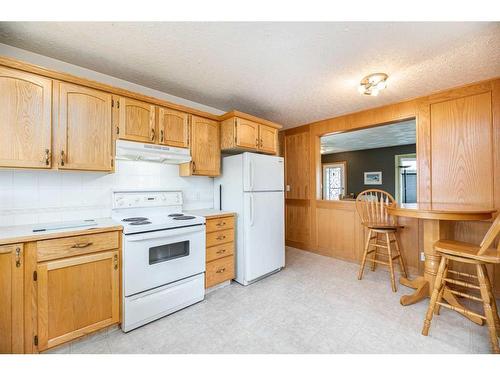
[
  {"x": 262, "y": 172},
  {"x": 264, "y": 234}
]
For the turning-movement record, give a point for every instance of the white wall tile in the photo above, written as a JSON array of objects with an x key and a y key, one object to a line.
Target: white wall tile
[{"x": 28, "y": 197}]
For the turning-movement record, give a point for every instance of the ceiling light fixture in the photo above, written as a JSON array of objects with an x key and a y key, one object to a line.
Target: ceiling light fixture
[{"x": 372, "y": 84}]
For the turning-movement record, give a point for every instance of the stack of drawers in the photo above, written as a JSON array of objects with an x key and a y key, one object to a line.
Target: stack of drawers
[{"x": 220, "y": 249}]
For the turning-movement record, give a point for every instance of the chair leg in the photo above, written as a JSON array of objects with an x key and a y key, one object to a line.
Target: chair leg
[
  {"x": 374, "y": 264},
  {"x": 437, "y": 308},
  {"x": 365, "y": 254},
  {"x": 391, "y": 265},
  {"x": 494, "y": 307},
  {"x": 402, "y": 265},
  {"x": 438, "y": 285},
  {"x": 488, "y": 311}
]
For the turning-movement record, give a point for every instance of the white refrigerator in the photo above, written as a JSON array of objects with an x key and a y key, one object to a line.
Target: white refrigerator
[{"x": 252, "y": 186}]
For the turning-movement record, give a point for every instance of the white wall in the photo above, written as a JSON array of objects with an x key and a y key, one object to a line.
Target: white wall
[{"x": 31, "y": 196}]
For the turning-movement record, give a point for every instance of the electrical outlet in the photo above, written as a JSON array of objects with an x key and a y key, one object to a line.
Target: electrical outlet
[{"x": 422, "y": 256}]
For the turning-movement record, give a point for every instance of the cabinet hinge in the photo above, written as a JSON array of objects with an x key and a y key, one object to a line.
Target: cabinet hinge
[
  {"x": 35, "y": 276},
  {"x": 35, "y": 340}
]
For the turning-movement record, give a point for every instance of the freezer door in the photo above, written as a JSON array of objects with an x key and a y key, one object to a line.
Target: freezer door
[
  {"x": 262, "y": 172},
  {"x": 264, "y": 236}
]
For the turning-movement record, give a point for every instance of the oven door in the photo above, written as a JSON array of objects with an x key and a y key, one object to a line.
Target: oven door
[{"x": 157, "y": 258}]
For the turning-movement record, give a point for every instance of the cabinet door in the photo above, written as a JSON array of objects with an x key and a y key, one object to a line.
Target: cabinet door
[
  {"x": 25, "y": 119},
  {"x": 84, "y": 129},
  {"x": 173, "y": 127},
  {"x": 77, "y": 296},
  {"x": 247, "y": 134},
  {"x": 268, "y": 139},
  {"x": 137, "y": 121},
  {"x": 11, "y": 299},
  {"x": 205, "y": 146}
]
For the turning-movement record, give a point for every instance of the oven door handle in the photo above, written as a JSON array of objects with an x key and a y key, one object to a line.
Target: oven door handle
[{"x": 169, "y": 233}]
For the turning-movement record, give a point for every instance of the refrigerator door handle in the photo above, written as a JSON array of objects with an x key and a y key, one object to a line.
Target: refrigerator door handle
[
  {"x": 250, "y": 175},
  {"x": 251, "y": 210}
]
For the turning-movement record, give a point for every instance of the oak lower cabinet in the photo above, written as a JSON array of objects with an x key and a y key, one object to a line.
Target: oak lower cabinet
[
  {"x": 76, "y": 296},
  {"x": 136, "y": 120},
  {"x": 241, "y": 134},
  {"x": 205, "y": 149},
  {"x": 220, "y": 249},
  {"x": 11, "y": 299},
  {"x": 25, "y": 120},
  {"x": 83, "y": 130}
]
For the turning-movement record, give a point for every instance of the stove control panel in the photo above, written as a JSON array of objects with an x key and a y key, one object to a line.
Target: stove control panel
[{"x": 146, "y": 199}]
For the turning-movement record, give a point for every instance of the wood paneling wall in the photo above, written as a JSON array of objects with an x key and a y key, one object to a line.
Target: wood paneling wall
[{"x": 458, "y": 157}]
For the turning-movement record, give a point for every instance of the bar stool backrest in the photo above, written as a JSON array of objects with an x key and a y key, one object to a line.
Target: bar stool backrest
[
  {"x": 371, "y": 206},
  {"x": 490, "y": 236}
]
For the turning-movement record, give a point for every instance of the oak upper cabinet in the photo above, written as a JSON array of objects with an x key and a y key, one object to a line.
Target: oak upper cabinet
[
  {"x": 25, "y": 119},
  {"x": 11, "y": 299},
  {"x": 173, "y": 127},
  {"x": 268, "y": 139},
  {"x": 243, "y": 134},
  {"x": 205, "y": 148},
  {"x": 76, "y": 296},
  {"x": 83, "y": 130},
  {"x": 136, "y": 120}
]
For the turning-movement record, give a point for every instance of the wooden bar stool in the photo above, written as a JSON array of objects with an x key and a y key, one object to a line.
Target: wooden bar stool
[
  {"x": 479, "y": 256},
  {"x": 371, "y": 206}
]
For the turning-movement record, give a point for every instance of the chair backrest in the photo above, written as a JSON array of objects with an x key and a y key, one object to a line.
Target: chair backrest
[
  {"x": 490, "y": 236},
  {"x": 372, "y": 206}
]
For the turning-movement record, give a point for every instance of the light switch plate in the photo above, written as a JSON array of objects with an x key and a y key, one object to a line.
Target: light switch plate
[
  {"x": 287, "y": 187},
  {"x": 422, "y": 256}
]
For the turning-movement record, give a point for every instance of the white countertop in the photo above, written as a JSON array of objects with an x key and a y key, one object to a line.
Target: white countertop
[
  {"x": 24, "y": 233},
  {"x": 208, "y": 212}
]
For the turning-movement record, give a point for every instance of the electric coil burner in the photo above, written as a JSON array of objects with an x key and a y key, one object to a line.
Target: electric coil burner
[
  {"x": 184, "y": 217},
  {"x": 134, "y": 219}
]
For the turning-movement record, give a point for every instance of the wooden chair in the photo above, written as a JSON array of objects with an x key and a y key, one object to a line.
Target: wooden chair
[
  {"x": 371, "y": 206},
  {"x": 479, "y": 256}
]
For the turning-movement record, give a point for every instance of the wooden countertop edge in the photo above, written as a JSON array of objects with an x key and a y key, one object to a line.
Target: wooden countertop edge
[
  {"x": 216, "y": 216},
  {"x": 47, "y": 236},
  {"x": 441, "y": 214}
]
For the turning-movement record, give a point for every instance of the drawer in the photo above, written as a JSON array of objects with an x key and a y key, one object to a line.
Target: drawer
[
  {"x": 220, "y": 223},
  {"x": 220, "y": 251},
  {"x": 223, "y": 236},
  {"x": 76, "y": 245},
  {"x": 219, "y": 270}
]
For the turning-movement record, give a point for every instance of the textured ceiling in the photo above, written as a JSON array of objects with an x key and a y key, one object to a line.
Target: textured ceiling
[
  {"x": 291, "y": 73},
  {"x": 401, "y": 133}
]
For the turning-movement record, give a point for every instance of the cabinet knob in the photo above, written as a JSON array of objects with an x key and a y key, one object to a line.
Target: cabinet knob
[
  {"x": 47, "y": 156},
  {"x": 18, "y": 257}
]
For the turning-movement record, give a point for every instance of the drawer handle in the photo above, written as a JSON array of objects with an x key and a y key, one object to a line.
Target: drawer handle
[
  {"x": 222, "y": 251},
  {"x": 115, "y": 258},
  {"x": 221, "y": 270},
  {"x": 221, "y": 237},
  {"x": 221, "y": 224},
  {"x": 81, "y": 245}
]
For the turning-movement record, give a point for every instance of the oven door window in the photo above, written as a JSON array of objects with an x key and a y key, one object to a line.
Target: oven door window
[{"x": 164, "y": 253}]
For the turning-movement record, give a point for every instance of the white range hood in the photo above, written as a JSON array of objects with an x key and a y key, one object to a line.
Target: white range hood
[{"x": 126, "y": 150}]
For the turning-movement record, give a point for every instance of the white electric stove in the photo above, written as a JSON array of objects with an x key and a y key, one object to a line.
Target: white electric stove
[{"x": 163, "y": 255}]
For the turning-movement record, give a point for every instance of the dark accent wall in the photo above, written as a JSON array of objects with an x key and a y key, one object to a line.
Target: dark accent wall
[{"x": 372, "y": 160}]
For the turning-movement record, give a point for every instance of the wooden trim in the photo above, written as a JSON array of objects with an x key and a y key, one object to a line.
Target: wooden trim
[
  {"x": 46, "y": 236},
  {"x": 16, "y": 64},
  {"x": 248, "y": 117}
]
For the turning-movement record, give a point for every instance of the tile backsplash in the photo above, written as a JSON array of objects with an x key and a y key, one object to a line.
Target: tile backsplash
[{"x": 30, "y": 196}]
